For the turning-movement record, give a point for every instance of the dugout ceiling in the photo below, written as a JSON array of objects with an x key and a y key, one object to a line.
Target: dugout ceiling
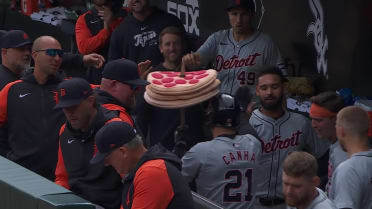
[{"x": 327, "y": 40}]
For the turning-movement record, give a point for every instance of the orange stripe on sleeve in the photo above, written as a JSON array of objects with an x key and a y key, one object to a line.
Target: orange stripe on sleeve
[
  {"x": 61, "y": 173},
  {"x": 152, "y": 186},
  {"x": 123, "y": 114},
  {"x": 4, "y": 101}
]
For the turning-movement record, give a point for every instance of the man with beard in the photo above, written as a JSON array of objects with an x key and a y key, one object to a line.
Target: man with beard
[
  {"x": 15, "y": 54},
  {"x": 237, "y": 53},
  {"x": 280, "y": 132},
  {"x": 96, "y": 183},
  {"x": 27, "y": 113},
  {"x": 16, "y": 58},
  {"x": 119, "y": 85},
  {"x": 352, "y": 179},
  {"x": 323, "y": 113},
  {"x": 300, "y": 183},
  {"x": 29, "y": 123}
]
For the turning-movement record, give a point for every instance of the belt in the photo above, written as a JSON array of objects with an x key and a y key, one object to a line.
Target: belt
[{"x": 271, "y": 201}]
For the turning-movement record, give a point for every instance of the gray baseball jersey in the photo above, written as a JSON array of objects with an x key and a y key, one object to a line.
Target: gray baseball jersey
[
  {"x": 336, "y": 156},
  {"x": 279, "y": 137},
  {"x": 352, "y": 182},
  {"x": 320, "y": 202},
  {"x": 224, "y": 169},
  {"x": 237, "y": 63}
]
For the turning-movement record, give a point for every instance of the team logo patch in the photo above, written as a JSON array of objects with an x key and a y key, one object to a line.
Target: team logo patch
[
  {"x": 25, "y": 36},
  {"x": 62, "y": 92}
]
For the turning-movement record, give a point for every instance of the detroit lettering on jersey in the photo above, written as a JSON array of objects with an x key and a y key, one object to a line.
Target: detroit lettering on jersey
[
  {"x": 277, "y": 143},
  {"x": 239, "y": 62},
  {"x": 239, "y": 155},
  {"x": 234, "y": 61},
  {"x": 149, "y": 37}
]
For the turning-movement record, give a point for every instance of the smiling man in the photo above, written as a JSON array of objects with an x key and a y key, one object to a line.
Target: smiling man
[
  {"x": 27, "y": 112},
  {"x": 323, "y": 113}
]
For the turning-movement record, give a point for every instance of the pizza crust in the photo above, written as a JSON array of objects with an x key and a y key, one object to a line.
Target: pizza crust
[
  {"x": 182, "y": 95},
  {"x": 180, "y": 103}
]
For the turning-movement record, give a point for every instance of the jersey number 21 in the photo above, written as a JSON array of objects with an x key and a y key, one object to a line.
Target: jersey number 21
[{"x": 239, "y": 178}]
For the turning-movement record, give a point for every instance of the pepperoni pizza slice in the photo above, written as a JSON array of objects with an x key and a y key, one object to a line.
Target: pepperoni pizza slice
[{"x": 170, "y": 83}]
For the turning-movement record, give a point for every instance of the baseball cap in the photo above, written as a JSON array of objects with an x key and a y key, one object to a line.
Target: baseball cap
[
  {"x": 124, "y": 71},
  {"x": 72, "y": 92},
  {"x": 111, "y": 136},
  {"x": 15, "y": 39},
  {"x": 247, "y": 4},
  {"x": 2, "y": 33}
]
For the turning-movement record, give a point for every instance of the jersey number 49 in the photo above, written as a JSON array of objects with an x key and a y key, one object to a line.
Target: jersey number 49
[
  {"x": 237, "y": 175},
  {"x": 247, "y": 78}
]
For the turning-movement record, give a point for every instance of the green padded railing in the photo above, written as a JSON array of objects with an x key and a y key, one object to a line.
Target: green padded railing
[
  {"x": 24, "y": 189},
  {"x": 21, "y": 188}
]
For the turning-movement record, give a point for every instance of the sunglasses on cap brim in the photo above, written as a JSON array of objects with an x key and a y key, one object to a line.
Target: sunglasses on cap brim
[{"x": 52, "y": 52}]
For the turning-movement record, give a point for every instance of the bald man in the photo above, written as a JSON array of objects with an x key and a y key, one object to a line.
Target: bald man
[
  {"x": 352, "y": 179},
  {"x": 27, "y": 111}
]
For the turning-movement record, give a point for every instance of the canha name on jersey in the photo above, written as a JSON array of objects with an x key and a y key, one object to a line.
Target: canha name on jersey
[{"x": 240, "y": 155}]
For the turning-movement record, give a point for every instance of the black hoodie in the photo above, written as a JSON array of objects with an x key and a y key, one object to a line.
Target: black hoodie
[
  {"x": 28, "y": 117},
  {"x": 138, "y": 41},
  {"x": 182, "y": 195},
  {"x": 97, "y": 183}
]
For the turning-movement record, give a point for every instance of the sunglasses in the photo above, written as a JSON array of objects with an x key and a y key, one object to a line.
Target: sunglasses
[{"x": 52, "y": 52}]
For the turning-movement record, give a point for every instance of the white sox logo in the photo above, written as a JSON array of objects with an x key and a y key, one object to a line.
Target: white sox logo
[
  {"x": 187, "y": 12},
  {"x": 320, "y": 39},
  {"x": 276, "y": 143},
  {"x": 234, "y": 62}
]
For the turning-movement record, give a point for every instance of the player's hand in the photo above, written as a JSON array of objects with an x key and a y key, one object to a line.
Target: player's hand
[
  {"x": 144, "y": 68},
  {"x": 106, "y": 16},
  {"x": 93, "y": 60},
  {"x": 192, "y": 60},
  {"x": 250, "y": 107}
]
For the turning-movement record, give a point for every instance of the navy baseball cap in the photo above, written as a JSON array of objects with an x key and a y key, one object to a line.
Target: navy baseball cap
[
  {"x": 111, "y": 136},
  {"x": 124, "y": 71},
  {"x": 15, "y": 39},
  {"x": 72, "y": 92},
  {"x": 246, "y": 4}
]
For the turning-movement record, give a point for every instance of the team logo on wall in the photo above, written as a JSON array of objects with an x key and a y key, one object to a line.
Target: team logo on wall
[
  {"x": 188, "y": 13},
  {"x": 316, "y": 29}
]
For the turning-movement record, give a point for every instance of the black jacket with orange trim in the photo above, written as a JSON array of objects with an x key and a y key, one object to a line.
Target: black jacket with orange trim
[
  {"x": 111, "y": 103},
  {"x": 94, "y": 182},
  {"x": 6, "y": 76},
  {"x": 28, "y": 117},
  {"x": 157, "y": 182}
]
